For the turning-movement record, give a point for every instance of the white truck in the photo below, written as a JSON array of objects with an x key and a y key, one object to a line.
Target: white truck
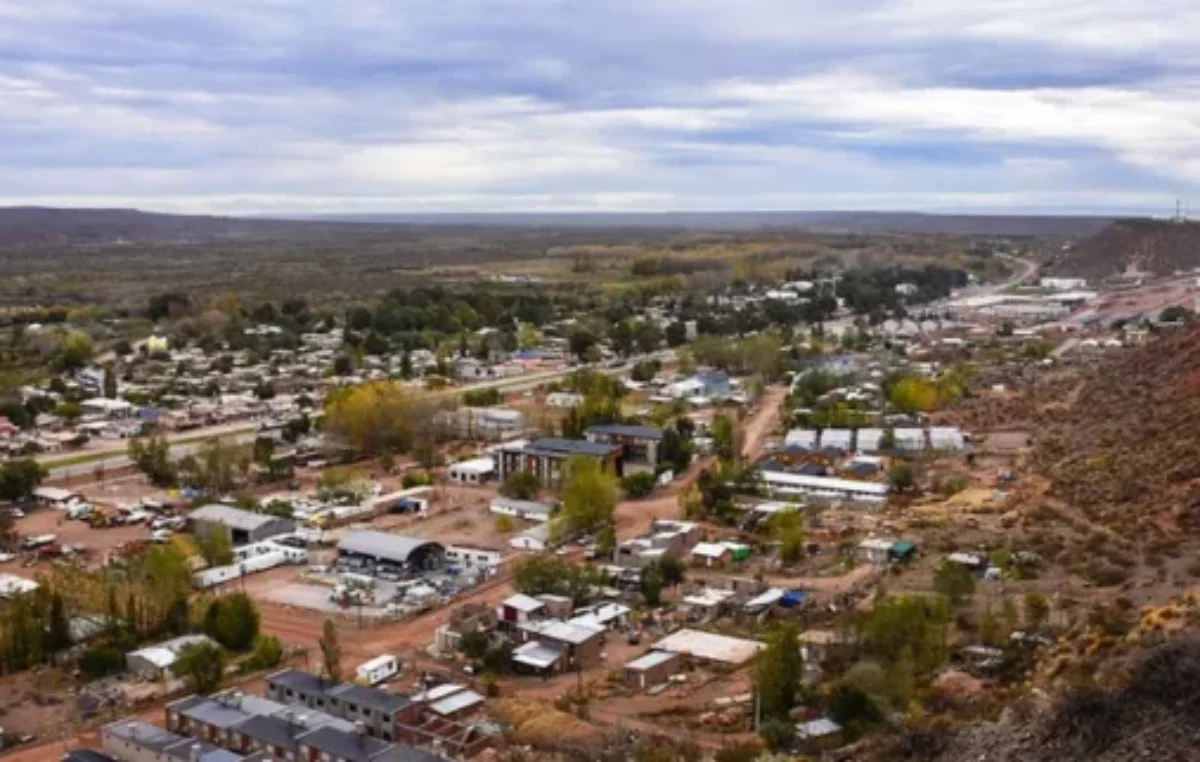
[{"x": 377, "y": 670}]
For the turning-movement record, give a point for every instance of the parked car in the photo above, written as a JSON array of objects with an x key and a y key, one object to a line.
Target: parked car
[{"x": 161, "y": 536}]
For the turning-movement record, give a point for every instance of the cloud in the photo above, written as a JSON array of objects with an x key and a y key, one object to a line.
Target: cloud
[{"x": 389, "y": 105}]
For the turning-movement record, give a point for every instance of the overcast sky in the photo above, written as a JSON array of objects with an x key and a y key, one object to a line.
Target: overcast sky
[{"x": 259, "y": 106}]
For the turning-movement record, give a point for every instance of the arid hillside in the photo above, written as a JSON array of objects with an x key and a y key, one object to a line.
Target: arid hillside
[
  {"x": 1126, "y": 452},
  {"x": 1158, "y": 247}
]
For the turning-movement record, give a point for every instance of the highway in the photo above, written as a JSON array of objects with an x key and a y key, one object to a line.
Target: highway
[{"x": 111, "y": 454}]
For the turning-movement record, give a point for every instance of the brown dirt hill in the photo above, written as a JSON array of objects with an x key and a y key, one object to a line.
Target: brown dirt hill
[
  {"x": 1158, "y": 247},
  {"x": 1127, "y": 451}
]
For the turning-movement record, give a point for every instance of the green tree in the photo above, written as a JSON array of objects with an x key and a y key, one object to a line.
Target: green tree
[
  {"x": 589, "y": 496},
  {"x": 902, "y": 476},
  {"x": 778, "y": 671},
  {"x": 19, "y": 478},
  {"x": 954, "y": 581},
  {"x": 331, "y": 652},
  {"x": 787, "y": 527},
  {"x": 912, "y": 625},
  {"x": 152, "y": 457},
  {"x": 215, "y": 547},
  {"x": 542, "y": 575},
  {"x": 638, "y": 485},
  {"x": 202, "y": 666},
  {"x": 724, "y": 436},
  {"x": 110, "y": 382},
  {"x": 232, "y": 621},
  {"x": 528, "y": 336},
  {"x": 268, "y": 652},
  {"x": 74, "y": 353},
  {"x": 778, "y": 734},
  {"x": 652, "y": 585}
]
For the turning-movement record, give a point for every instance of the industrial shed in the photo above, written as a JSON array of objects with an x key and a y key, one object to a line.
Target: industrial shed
[
  {"x": 242, "y": 527},
  {"x": 413, "y": 553}
]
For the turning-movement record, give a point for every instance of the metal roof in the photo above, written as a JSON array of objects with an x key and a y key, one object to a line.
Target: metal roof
[
  {"x": 218, "y": 714},
  {"x": 523, "y": 506},
  {"x": 707, "y": 645},
  {"x": 523, "y": 603},
  {"x": 560, "y": 446},
  {"x": 235, "y": 518},
  {"x": 373, "y": 698},
  {"x": 817, "y": 728},
  {"x": 382, "y": 545},
  {"x": 143, "y": 734},
  {"x": 625, "y": 430},
  {"x": 274, "y": 731},
  {"x": 824, "y": 483},
  {"x": 301, "y": 682},
  {"x": 650, "y": 660},
  {"x": 457, "y": 702},
  {"x": 537, "y": 654},
  {"x": 350, "y": 747}
]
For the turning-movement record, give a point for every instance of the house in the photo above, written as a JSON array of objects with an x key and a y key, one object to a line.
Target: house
[
  {"x": 108, "y": 408},
  {"x": 651, "y": 669},
  {"x": 375, "y": 711},
  {"x": 470, "y": 369},
  {"x": 563, "y": 400},
  {"x": 491, "y": 424},
  {"x": 818, "y": 645},
  {"x": 526, "y": 510},
  {"x": 639, "y": 444},
  {"x": 666, "y": 539},
  {"x": 578, "y": 646},
  {"x": 471, "y": 557},
  {"x": 708, "y": 384},
  {"x": 869, "y": 495},
  {"x": 472, "y": 472},
  {"x": 53, "y": 497},
  {"x": 546, "y": 458},
  {"x": 707, "y": 646},
  {"x": 876, "y": 551},
  {"x": 518, "y": 609},
  {"x": 606, "y": 616},
  {"x": 719, "y": 554},
  {"x": 155, "y": 662},
  {"x": 241, "y": 527}
]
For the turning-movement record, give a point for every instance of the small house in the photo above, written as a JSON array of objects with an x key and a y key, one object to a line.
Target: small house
[{"x": 651, "y": 669}]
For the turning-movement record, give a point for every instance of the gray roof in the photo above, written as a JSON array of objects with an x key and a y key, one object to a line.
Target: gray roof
[
  {"x": 143, "y": 734},
  {"x": 274, "y": 731},
  {"x": 623, "y": 430},
  {"x": 184, "y": 750},
  {"x": 401, "y": 753},
  {"x": 342, "y": 745},
  {"x": 526, "y": 506},
  {"x": 234, "y": 518},
  {"x": 301, "y": 682},
  {"x": 373, "y": 698},
  {"x": 391, "y": 547},
  {"x": 560, "y": 446},
  {"x": 210, "y": 712}
]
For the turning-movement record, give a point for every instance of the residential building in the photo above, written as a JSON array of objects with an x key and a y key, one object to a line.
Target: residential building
[
  {"x": 651, "y": 669},
  {"x": 546, "y": 458},
  {"x": 640, "y": 445},
  {"x": 576, "y": 646},
  {"x": 155, "y": 662},
  {"x": 472, "y": 472},
  {"x": 526, "y": 510}
]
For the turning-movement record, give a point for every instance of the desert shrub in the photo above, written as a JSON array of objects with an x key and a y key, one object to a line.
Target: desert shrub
[
  {"x": 1087, "y": 718},
  {"x": 1105, "y": 575}
]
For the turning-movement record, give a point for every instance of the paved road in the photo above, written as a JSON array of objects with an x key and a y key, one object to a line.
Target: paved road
[{"x": 112, "y": 454}]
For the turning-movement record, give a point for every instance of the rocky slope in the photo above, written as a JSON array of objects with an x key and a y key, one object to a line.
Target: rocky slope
[
  {"x": 1127, "y": 452},
  {"x": 1157, "y": 247}
]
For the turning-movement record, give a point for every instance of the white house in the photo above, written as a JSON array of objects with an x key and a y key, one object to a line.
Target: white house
[
  {"x": 475, "y": 471},
  {"x": 526, "y": 510},
  {"x": 472, "y": 557}
]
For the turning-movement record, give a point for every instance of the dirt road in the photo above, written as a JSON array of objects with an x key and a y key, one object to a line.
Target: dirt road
[{"x": 762, "y": 422}]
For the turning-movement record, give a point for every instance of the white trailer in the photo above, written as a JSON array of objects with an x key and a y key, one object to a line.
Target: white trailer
[
  {"x": 276, "y": 555},
  {"x": 377, "y": 670}
]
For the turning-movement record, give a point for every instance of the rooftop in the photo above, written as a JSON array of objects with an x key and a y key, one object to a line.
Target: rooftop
[
  {"x": 374, "y": 698},
  {"x": 650, "y": 660},
  {"x": 560, "y": 446},
  {"x": 393, "y": 547},
  {"x": 623, "y": 430},
  {"x": 234, "y": 518},
  {"x": 706, "y": 645},
  {"x": 341, "y": 745}
]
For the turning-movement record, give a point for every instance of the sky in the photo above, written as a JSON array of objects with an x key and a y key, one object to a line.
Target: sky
[{"x": 375, "y": 106}]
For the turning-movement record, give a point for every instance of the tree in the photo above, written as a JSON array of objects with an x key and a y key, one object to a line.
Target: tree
[
  {"x": 74, "y": 353},
  {"x": 551, "y": 575},
  {"x": 68, "y": 410},
  {"x": 343, "y": 365},
  {"x": 528, "y": 336},
  {"x": 232, "y": 621},
  {"x": 153, "y": 458},
  {"x": 724, "y": 437},
  {"x": 778, "y": 734},
  {"x": 215, "y": 547},
  {"x": 1037, "y": 609},
  {"x": 914, "y": 395},
  {"x": 19, "y": 478},
  {"x": 378, "y": 416},
  {"x": 787, "y": 527},
  {"x": 902, "y": 476},
  {"x": 580, "y": 342},
  {"x": 331, "y": 652},
  {"x": 676, "y": 334},
  {"x": 216, "y": 466},
  {"x": 652, "y": 585},
  {"x": 201, "y": 665},
  {"x": 953, "y": 581},
  {"x": 906, "y": 626},
  {"x": 589, "y": 496},
  {"x": 110, "y": 382},
  {"x": 778, "y": 671},
  {"x": 638, "y": 485}
]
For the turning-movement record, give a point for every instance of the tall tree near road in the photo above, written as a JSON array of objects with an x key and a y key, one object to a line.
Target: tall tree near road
[
  {"x": 331, "y": 652},
  {"x": 589, "y": 496},
  {"x": 778, "y": 671}
]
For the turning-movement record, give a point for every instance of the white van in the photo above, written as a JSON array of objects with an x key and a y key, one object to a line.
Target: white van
[{"x": 377, "y": 670}]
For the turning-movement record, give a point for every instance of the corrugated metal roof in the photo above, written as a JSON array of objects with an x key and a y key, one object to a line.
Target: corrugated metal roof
[
  {"x": 625, "y": 430},
  {"x": 390, "y": 547},
  {"x": 650, "y": 660},
  {"x": 232, "y": 517},
  {"x": 458, "y": 702}
]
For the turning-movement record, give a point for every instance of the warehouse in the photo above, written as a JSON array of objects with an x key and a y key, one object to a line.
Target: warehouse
[
  {"x": 411, "y": 553},
  {"x": 241, "y": 527}
]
